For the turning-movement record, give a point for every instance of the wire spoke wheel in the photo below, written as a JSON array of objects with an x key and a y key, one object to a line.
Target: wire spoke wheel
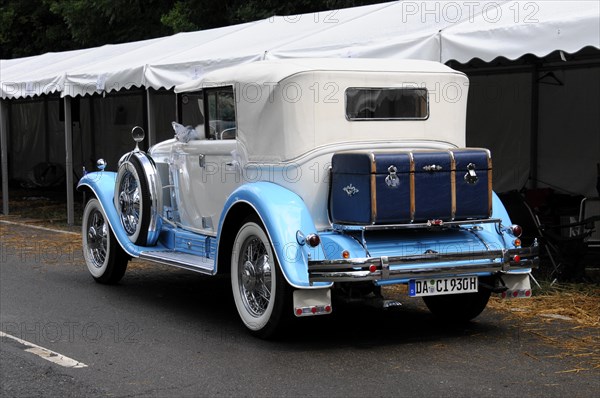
[
  {"x": 97, "y": 235},
  {"x": 105, "y": 259},
  {"x": 260, "y": 292},
  {"x": 129, "y": 202},
  {"x": 133, "y": 201},
  {"x": 255, "y": 276}
]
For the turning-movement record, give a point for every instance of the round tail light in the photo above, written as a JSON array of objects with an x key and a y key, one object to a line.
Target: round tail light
[
  {"x": 313, "y": 240},
  {"x": 516, "y": 230}
]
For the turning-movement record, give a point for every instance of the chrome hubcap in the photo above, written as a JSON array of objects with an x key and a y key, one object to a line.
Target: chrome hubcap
[
  {"x": 97, "y": 238},
  {"x": 129, "y": 203},
  {"x": 255, "y": 276}
]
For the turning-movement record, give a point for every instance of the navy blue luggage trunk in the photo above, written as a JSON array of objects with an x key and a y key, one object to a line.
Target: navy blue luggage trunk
[
  {"x": 473, "y": 183},
  {"x": 433, "y": 186},
  {"x": 405, "y": 187}
]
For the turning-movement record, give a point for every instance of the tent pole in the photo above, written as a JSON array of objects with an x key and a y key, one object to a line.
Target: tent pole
[
  {"x": 178, "y": 113},
  {"x": 69, "y": 161},
  {"x": 534, "y": 134},
  {"x": 4, "y": 156},
  {"x": 150, "y": 119}
]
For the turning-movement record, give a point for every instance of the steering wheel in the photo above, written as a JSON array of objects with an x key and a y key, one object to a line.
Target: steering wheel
[{"x": 224, "y": 133}]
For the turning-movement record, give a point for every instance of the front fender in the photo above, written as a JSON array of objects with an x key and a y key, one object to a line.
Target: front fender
[
  {"x": 283, "y": 213},
  {"x": 102, "y": 185}
]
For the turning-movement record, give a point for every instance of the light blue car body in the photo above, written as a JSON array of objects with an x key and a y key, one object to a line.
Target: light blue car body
[
  {"x": 282, "y": 212},
  {"x": 285, "y": 215}
]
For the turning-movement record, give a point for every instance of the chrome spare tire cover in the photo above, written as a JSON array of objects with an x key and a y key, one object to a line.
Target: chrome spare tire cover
[{"x": 137, "y": 198}]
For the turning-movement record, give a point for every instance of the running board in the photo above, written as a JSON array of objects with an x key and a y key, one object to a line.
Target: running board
[{"x": 181, "y": 260}]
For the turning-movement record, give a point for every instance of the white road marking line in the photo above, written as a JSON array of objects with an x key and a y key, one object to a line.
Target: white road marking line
[
  {"x": 47, "y": 354},
  {"x": 37, "y": 227}
]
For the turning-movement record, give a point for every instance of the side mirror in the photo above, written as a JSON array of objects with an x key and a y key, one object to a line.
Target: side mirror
[{"x": 138, "y": 135}]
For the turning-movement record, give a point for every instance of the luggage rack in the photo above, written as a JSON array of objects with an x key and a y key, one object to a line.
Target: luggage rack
[
  {"x": 432, "y": 224},
  {"x": 428, "y": 224}
]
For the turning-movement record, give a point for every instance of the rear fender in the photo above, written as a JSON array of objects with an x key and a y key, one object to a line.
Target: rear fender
[
  {"x": 282, "y": 213},
  {"x": 499, "y": 211}
]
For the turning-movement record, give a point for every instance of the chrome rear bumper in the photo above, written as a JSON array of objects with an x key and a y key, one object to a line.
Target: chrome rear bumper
[{"x": 425, "y": 265}]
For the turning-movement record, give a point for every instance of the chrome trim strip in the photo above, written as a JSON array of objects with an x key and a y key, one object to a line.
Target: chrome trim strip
[
  {"x": 321, "y": 265},
  {"x": 384, "y": 227},
  {"x": 180, "y": 260},
  {"x": 361, "y": 276},
  {"x": 354, "y": 270}
]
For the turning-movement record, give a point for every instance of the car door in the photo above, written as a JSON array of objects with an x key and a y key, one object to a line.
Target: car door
[{"x": 207, "y": 172}]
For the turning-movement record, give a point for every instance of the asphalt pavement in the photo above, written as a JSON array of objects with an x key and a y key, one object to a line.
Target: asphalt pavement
[{"x": 164, "y": 332}]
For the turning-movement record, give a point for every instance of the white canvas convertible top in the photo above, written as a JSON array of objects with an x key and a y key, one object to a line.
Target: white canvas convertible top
[
  {"x": 274, "y": 71},
  {"x": 286, "y": 108}
]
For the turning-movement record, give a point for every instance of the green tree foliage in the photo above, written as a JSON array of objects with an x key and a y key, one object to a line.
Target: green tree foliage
[
  {"x": 94, "y": 23},
  {"x": 30, "y": 27},
  {"x": 190, "y": 15}
]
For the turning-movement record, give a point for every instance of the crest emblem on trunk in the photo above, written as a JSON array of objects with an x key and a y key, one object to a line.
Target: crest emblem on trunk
[
  {"x": 432, "y": 167},
  {"x": 351, "y": 190}
]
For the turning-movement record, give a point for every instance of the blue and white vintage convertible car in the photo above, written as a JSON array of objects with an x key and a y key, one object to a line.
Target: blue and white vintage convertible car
[{"x": 309, "y": 179}]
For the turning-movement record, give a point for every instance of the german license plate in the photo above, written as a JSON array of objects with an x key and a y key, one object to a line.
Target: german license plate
[{"x": 440, "y": 286}]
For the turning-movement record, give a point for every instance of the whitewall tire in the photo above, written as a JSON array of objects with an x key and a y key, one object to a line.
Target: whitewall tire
[
  {"x": 105, "y": 259},
  {"x": 260, "y": 292}
]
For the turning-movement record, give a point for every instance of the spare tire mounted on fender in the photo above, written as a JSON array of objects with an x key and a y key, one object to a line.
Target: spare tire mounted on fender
[{"x": 136, "y": 198}]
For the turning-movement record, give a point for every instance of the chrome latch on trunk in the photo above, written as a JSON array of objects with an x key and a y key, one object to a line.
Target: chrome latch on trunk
[
  {"x": 392, "y": 179},
  {"x": 471, "y": 176}
]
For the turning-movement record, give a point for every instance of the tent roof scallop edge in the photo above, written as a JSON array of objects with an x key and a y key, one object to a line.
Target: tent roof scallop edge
[{"x": 518, "y": 28}]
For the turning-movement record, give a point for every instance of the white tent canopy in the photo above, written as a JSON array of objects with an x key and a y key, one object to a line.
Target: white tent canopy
[
  {"x": 427, "y": 30},
  {"x": 157, "y": 63},
  {"x": 397, "y": 30},
  {"x": 516, "y": 28},
  {"x": 438, "y": 30}
]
